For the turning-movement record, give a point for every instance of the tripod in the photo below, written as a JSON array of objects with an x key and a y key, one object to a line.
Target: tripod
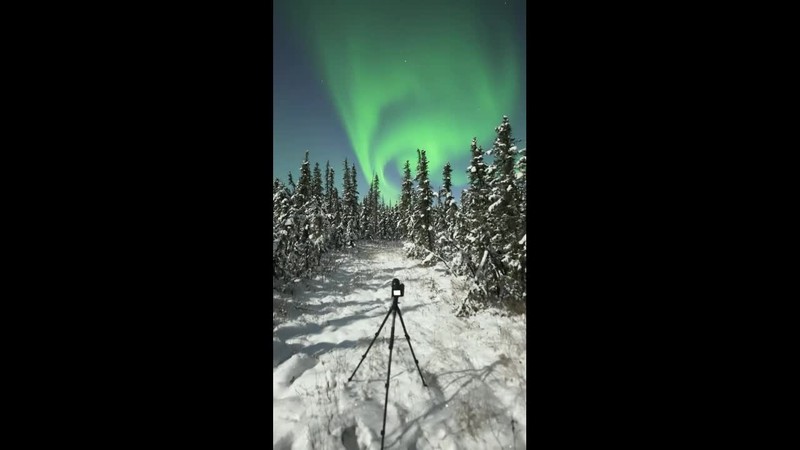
[{"x": 396, "y": 310}]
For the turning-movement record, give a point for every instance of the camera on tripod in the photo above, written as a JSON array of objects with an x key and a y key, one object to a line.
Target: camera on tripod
[{"x": 397, "y": 288}]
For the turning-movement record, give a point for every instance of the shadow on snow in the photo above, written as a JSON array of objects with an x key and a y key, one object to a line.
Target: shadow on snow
[{"x": 283, "y": 351}]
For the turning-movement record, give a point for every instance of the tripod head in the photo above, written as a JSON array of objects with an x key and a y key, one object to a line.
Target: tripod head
[{"x": 397, "y": 288}]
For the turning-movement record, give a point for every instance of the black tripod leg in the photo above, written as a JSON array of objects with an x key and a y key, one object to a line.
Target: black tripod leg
[
  {"x": 388, "y": 374},
  {"x": 370, "y": 344},
  {"x": 408, "y": 339}
]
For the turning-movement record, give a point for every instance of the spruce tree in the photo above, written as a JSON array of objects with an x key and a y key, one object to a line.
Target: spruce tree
[
  {"x": 444, "y": 193},
  {"x": 282, "y": 233},
  {"x": 504, "y": 188},
  {"x": 363, "y": 219},
  {"x": 447, "y": 182},
  {"x": 404, "y": 208},
  {"x": 367, "y": 215},
  {"x": 346, "y": 222},
  {"x": 350, "y": 209},
  {"x": 446, "y": 215},
  {"x": 331, "y": 207},
  {"x": 329, "y": 180},
  {"x": 374, "y": 212},
  {"x": 337, "y": 219},
  {"x": 383, "y": 221},
  {"x": 303, "y": 192},
  {"x": 504, "y": 278},
  {"x": 423, "y": 201},
  {"x": 302, "y": 257},
  {"x": 522, "y": 187},
  {"x": 316, "y": 183},
  {"x": 474, "y": 225},
  {"x": 522, "y": 246},
  {"x": 354, "y": 206},
  {"x": 474, "y": 232},
  {"x": 319, "y": 224}
]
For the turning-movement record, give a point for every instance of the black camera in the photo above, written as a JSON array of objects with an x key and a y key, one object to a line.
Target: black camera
[{"x": 397, "y": 288}]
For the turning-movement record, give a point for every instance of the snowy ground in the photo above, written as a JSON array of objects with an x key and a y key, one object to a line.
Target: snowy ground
[{"x": 474, "y": 368}]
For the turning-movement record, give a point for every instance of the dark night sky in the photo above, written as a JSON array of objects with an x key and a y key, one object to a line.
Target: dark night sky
[{"x": 372, "y": 81}]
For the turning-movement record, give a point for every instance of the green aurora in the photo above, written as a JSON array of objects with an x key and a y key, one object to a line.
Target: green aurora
[{"x": 416, "y": 74}]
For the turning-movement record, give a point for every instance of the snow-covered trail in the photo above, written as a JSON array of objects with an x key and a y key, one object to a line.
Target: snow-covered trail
[{"x": 474, "y": 368}]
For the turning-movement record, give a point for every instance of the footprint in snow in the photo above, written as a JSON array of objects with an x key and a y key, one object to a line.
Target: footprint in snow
[{"x": 291, "y": 370}]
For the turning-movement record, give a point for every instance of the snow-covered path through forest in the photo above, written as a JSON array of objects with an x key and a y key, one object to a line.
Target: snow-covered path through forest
[{"x": 474, "y": 367}]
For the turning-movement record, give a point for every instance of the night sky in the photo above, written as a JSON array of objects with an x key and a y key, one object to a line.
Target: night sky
[{"x": 372, "y": 81}]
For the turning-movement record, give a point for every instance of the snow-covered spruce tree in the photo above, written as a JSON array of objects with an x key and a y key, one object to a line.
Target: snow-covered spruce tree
[
  {"x": 446, "y": 213},
  {"x": 303, "y": 191},
  {"x": 374, "y": 212},
  {"x": 451, "y": 222},
  {"x": 474, "y": 224},
  {"x": 504, "y": 215},
  {"x": 475, "y": 232},
  {"x": 394, "y": 222},
  {"x": 356, "y": 207},
  {"x": 318, "y": 232},
  {"x": 300, "y": 259},
  {"x": 403, "y": 212},
  {"x": 383, "y": 221},
  {"x": 390, "y": 221},
  {"x": 281, "y": 230},
  {"x": 368, "y": 226},
  {"x": 318, "y": 222},
  {"x": 391, "y": 226},
  {"x": 522, "y": 184},
  {"x": 422, "y": 225},
  {"x": 363, "y": 218},
  {"x": 286, "y": 212},
  {"x": 285, "y": 222},
  {"x": 316, "y": 183},
  {"x": 336, "y": 221},
  {"x": 459, "y": 233},
  {"x": 331, "y": 208},
  {"x": 437, "y": 209},
  {"x": 447, "y": 184},
  {"x": 346, "y": 223},
  {"x": 350, "y": 207},
  {"x": 327, "y": 204},
  {"x": 329, "y": 180},
  {"x": 311, "y": 224}
]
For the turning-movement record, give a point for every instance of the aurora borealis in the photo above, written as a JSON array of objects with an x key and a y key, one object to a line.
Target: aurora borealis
[{"x": 397, "y": 76}]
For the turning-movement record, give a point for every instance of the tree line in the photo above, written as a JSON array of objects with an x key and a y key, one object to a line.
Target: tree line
[{"x": 482, "y": 236}]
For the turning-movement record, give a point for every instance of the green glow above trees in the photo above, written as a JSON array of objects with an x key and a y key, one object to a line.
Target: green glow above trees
[{"x": 414, "y": 74}]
